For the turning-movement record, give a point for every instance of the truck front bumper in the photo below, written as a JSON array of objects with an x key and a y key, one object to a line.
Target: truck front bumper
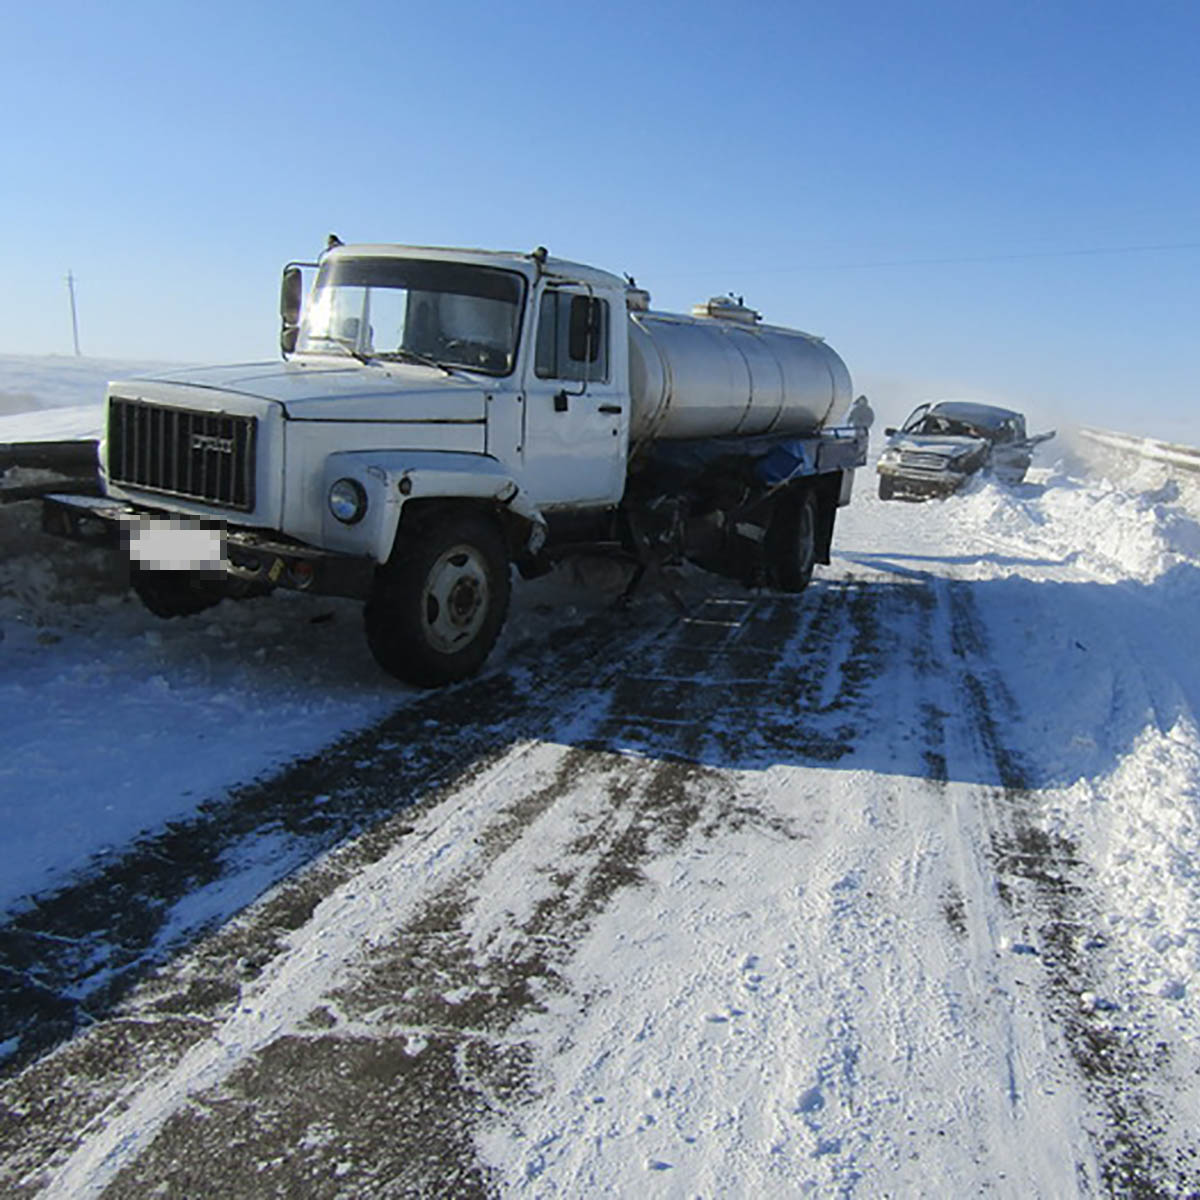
[{"x": 251, "y": 555}]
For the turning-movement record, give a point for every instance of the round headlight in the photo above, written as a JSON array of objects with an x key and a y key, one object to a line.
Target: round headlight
[{"x": 348, "y": 501}]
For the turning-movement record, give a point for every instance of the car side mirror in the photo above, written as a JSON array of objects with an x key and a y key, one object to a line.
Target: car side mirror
[{"x": 889, "y": 431}]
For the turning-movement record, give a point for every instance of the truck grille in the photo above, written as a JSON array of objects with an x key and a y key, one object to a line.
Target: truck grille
[{"x": 182, "y": 452}]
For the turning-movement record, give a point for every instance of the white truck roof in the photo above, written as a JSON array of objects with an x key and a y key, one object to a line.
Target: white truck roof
[{"x": 510, "y": 260}]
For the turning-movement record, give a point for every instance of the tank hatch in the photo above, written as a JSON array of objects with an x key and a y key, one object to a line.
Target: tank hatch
[{"x": 727, "y": 308}]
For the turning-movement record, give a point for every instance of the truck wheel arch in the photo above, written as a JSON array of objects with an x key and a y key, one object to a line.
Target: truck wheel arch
[{"x": 417, "y": 515}]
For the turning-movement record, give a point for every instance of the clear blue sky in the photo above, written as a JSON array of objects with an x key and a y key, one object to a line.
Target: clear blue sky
[{"x": 990, "y": 200}]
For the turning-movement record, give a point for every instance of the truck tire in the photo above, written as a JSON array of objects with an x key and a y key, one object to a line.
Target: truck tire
[
  {"x": 887, "y": 489},
  {"x": 793, "y": 541},
  {"x": 175, "y": 593},
  {"x": 437, "y": 606}
]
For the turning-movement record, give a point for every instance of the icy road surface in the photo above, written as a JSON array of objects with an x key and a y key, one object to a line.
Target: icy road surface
[{"x": 888, "y": 889}]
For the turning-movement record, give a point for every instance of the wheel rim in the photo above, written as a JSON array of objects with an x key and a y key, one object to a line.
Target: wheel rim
[
  {"x": 806, "y": 549},
  {"x": 455, "y": 599}
]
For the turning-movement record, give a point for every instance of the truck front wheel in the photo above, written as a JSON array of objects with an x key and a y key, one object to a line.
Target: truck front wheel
[
  {"x": 793, "y": 541},
  {"x": 438, "y": 604}
]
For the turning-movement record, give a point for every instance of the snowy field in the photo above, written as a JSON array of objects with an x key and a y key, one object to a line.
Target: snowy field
[{"x": 888, "y": 889}]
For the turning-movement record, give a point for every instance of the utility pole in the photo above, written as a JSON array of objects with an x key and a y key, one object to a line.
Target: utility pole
[{"x": 74, "y": 319}]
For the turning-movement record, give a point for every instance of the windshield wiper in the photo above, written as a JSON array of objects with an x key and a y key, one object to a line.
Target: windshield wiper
[
  {"x": 403, "y": 355},
  {"x": 346, "y": 344}
]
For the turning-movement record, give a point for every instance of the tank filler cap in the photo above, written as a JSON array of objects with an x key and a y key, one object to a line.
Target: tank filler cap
[{"x": 727, "y": 308}]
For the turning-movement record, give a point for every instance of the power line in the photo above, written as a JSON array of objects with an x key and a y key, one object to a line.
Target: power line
[
  {"x": 1028, "y": 254},
  {"x": 954, "y": 261}
]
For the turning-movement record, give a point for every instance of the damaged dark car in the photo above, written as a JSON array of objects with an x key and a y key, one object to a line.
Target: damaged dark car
[{"x": 943, "y": 445}]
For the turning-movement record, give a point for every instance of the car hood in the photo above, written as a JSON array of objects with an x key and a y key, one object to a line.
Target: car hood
[
  {"x": 328, "y": 391},
  {"x": 947, "y": 445}
]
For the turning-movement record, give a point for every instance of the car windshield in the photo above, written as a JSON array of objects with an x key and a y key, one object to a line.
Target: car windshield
[
  {"x": 950, "y": 426},
  {"x": 446, "y": 313}
]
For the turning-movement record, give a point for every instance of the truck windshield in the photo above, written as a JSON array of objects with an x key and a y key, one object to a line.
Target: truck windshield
[{"x": 451, "y": 314}]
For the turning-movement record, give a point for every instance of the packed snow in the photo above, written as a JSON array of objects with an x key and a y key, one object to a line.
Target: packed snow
[{"x": 929, "y": 927}]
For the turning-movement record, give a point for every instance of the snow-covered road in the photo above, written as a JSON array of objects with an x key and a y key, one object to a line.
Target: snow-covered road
[{"x": 888, "y": 889}]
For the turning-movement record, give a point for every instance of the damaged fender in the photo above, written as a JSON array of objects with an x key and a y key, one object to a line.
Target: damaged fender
[{"x": 390, "y": 479}]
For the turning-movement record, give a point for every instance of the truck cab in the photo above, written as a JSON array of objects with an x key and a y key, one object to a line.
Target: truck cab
[{"x": 529, "y": 337}]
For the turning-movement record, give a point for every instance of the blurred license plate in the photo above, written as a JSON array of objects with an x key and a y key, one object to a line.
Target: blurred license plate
[{"x": 169, "y": 545}]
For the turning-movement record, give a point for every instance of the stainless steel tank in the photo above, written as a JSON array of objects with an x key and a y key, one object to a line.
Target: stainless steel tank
[{"x": 723, "y": 374}]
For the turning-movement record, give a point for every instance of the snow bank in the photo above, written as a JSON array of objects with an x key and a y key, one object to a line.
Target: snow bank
[
  {"x": 32, "y": 382},
  {"x": 1120, "y": 465},
  {"x": 1118, "y": 531},
  {"x": 1111, "y": 706},
  {"x": 46, "y": 399},
  {"x": 83, "y": 422},
  {"x": 1138, "y": 824}
]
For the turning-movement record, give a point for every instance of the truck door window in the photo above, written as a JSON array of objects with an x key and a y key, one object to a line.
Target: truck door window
[{"x": 572, "y": 338}]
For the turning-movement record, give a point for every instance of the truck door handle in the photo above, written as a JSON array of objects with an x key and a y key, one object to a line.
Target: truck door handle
[{"x": 615, "y": 409}]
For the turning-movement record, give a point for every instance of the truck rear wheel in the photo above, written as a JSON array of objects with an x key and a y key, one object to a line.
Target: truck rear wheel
[
  {"x": 793, "y": 541},
  {"x": 437, "y": 606}
]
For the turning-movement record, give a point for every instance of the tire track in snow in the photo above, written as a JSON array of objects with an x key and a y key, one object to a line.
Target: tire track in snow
[
  {"x": 238, "y": 956},
  {"x": 69, "y": 956},
  {"x": 462, "y": 1020},
  {"x": 1046, "y": 890},
  {"x": 433, "y": 1013},
  {"x": 839, "y": 662},
  {"x": 405, "y": 764},
  {"x": 1018, "y": 1095},
  {"x": 839, "y": 1105}
]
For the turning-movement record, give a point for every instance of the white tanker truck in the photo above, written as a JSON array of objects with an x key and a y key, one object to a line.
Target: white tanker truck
[{"x": 441, "y": 415}]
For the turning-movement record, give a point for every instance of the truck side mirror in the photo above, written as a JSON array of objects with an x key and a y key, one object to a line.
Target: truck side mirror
[{"x": 291, "y": 297}]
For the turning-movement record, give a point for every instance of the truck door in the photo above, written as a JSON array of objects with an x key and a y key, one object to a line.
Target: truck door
[{"x": 576, "y": 409}]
